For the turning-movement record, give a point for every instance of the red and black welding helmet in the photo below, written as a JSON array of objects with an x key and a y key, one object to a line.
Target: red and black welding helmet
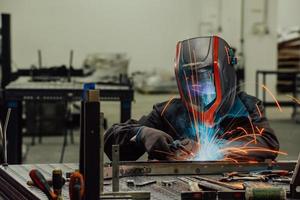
[{"x": 205, "y": 77}]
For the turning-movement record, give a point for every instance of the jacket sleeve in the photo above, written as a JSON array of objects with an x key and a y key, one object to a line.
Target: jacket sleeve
[
  {"x": 122, "y": 133},
  {"x": 264, "y": 144}
]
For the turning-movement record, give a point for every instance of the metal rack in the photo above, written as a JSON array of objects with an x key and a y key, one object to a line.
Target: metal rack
[
  {"x": 295, "y": 93},
  {"x": 23, "y": 90}
]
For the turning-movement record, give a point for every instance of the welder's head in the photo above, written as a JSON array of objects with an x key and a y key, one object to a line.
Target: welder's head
[{"x": 205, "y": 76}]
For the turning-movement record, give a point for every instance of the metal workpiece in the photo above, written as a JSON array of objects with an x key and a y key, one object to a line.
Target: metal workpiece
[
  {"x": 135, "y": 168},
  {"x": 115, "y": 168}
]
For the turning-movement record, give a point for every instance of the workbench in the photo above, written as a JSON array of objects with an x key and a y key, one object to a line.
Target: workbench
[
  {"x": 24, "y": 90},
  {"x": 13, "y": 178}
]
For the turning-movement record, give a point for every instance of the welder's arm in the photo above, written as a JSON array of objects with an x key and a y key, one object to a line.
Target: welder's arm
[
  {"x": 124, "y": 135},
  {"x": 265, "y": 143}
]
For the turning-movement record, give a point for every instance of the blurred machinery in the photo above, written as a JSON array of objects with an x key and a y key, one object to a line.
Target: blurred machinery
[
  {"x": 154, "y": 82},
  {"x": 107, "y": 67}
]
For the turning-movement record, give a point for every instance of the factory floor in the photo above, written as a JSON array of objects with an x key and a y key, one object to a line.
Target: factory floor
[{"x": 287, "y": 131}]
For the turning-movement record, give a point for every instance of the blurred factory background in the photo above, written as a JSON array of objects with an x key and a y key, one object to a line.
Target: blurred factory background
[{"x": 131, "y": 44}]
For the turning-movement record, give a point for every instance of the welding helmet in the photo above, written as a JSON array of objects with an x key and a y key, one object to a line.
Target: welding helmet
[{"x": 205, "y": 77}]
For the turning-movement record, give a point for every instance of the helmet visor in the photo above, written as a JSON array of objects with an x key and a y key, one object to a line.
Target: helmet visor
[{"x": 201, "y": 86}]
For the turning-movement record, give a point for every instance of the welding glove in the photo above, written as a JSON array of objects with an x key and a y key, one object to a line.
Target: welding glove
[{"x": 156, "y": 143}]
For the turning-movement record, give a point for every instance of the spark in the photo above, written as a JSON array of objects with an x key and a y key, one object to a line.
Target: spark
[
  {"x": 253, "y": 131},
  {"x": 240, "y": 137},
  {"x": 269, "y": 91},
  {"x": 244, "y": 130},
  {"x": 260, "y": 131},
  {"x": 258, "y": 110},
  {"x": 228, "y": 132},
  {"x": 265, "y": 150},
  {"x": 167, "y": 105},
  {"x": 230, "y": 159},
  {"x": 294, "y": 99},
  {"x": 248, "y": 143},
  {"x": 170, "y": 125},
  {"x": 252, "y": 161},
  {"x": 233, "y": 149}
]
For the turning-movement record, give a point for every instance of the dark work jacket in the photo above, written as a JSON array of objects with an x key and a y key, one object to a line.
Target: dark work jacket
[{"x": 174, "y": 120}]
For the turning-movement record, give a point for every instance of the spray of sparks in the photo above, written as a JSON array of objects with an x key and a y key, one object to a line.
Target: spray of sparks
[{"x": 210, "y": 145}]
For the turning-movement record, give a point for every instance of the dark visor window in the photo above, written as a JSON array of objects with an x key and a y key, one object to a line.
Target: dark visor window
[{"x": 200, "y": 85}]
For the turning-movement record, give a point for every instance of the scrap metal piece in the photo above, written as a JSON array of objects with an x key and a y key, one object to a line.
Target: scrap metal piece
[
  {"x": 115, "y": 168},
  {"x": 282, "y": 180},
  {"x": 203, "y": 184},
  {"x": 137, "y": 195},
  {"x": 130, "y": 183},
  {"x": 168, "y": 183},
  {"x": 194, "y": 186},
  {"x": 145, "y": 183},
  {"x": 247, "y": 178}
]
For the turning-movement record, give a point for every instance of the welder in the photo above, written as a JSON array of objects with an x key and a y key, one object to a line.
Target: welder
[{"x": 210, "y": 117}]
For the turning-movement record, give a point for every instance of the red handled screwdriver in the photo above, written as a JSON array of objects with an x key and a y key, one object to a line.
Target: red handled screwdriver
[
  {"x": 76, "y": 186},
  {"x": 40, "y": 181}
]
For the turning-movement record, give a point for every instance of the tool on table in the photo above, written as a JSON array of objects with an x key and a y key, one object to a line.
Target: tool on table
[
  {"x": 31, "y": 183},
  {"x": 137, "y": 195},
  {"x": 130, "y": 183},
  {"x": 76, "y": 186},
  {"x": 40, "y": 181},
  {"x": 271, "y": 173},
  {"x": 57, "y": 181},
  {"x": 239, "y": 178},
  {"x": 226, "y": 185},
  {"x": 168, "y": 183},
  {"x": 145, "y": 183},
  {"x": 193, "y": 185},
  {"x": 264, "y": 175},
  {"x": 282, "y": 180},
  {"x": 203, "y": 184}
]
